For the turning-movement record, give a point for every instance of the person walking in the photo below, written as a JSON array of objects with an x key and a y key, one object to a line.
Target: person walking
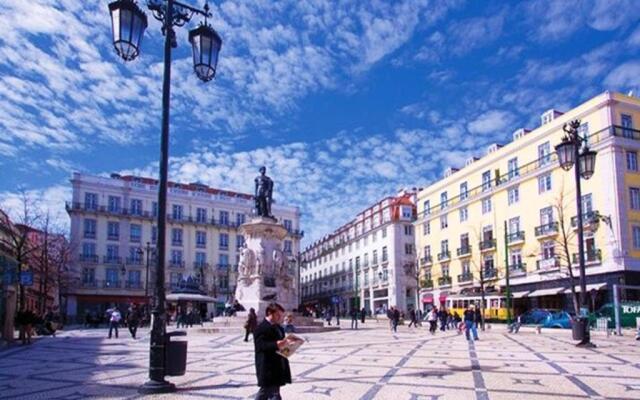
[
  {"x": 272, "y": 369},
  {"x": 395, "y": 320},
  {"x": 470, "y": 323},
  {"x": 133, "y": 321},
  {"x": 419, "y": 316},
  {"x": 442, "y": 316},
  {"x": 327, "y": 315},
  {"x": 479, "y": 321},
  {"x": 251, "y": 324},
  {"x": 412, "y": 317},
  {"x": 114, "y": 321},
  {"x": 354, "y": 318},
  {"x": 363, "y": 314},
  {"x": 432, "y": 318}
]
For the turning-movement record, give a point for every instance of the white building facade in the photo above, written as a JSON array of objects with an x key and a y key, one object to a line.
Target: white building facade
[
  {"x": 367, "y": 262},
  {"x": 114, "y": 232}
]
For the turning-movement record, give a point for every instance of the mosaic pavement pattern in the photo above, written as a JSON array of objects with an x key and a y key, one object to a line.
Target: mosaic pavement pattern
[{"x": 370, "y": 363}]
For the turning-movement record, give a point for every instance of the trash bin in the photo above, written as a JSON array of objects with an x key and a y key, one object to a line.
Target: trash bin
[
  {"x": 578, "y": 328},
  {"x": 175, "y": 354}
]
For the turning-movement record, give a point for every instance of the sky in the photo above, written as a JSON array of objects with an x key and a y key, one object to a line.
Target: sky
[{"x": 345, "y": 102}]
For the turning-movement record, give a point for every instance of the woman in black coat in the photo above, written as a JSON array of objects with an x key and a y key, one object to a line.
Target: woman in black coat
[{"x": 272, "y": 369}]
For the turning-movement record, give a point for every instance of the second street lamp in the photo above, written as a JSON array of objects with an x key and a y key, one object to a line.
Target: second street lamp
[
  {"x": 570, "y": 154},
  {"x": 128, "y": 24}
]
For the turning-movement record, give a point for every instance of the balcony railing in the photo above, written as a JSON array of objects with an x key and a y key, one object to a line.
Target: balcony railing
[
  {"x": 466, "y": 277},
  {"x": 89, "y": 284},
  {"x": 444, "y": 281},
  {"x": 592, "y": 256},
  {"x": 463, "y": 251},
  {"x": 515, "y": 237},
  {"x": 89, "y": 258},
  {"x": 426, "y": 283},
  {"x": 112, "y": 260},
  {"x": 134, "y": 261},
  {"x": 445, "y": 255},
  {"x": 487, "y": 244},
  {"x": 547, "y": 229},
  {"x": 112, "y": 236},
  {"x": 547, "y": 264},
  {"x": 89, "y": 235},
  {"x": 112, "y": 284},
  {"x": 133, "y": 285},
  {"x": 588, "y": 218},
  {"x": 518, "y": 269},
  {"x": 490, "y": 273},
  {"x": 176, "y": 264},
  {"x": 426, "y": 260},
  {"x": 199, "y": 264}
]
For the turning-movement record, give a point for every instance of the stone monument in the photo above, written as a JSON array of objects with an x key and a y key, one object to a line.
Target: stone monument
[{"x": 263, "y": 271}]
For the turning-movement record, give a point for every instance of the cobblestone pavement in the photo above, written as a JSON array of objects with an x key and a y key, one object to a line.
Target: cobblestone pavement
[{"x": 370, "y": 363}]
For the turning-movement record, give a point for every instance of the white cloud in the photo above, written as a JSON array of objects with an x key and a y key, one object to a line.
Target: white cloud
[
  {"x": 625, "y": 77},
  {"x": 491, "y": 122}
]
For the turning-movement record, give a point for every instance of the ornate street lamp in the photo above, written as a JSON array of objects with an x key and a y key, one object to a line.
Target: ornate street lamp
[
  {"x": 128, "y": 24},
  {"x": 569, "y": 154}
]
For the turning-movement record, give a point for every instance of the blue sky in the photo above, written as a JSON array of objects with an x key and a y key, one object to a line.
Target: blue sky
[{"x": 344, "y": 101}]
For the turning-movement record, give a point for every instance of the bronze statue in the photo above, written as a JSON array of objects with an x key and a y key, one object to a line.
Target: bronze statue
[{"x": 263, "y": 194}]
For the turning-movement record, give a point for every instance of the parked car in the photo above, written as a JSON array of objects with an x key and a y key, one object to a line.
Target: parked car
[
  {"x": 536, "y": 316},
  {"x": 558, "y": 319}
]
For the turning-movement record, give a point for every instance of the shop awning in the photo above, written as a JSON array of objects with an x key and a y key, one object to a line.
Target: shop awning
[
  {"x": 593, "y": 286},
  {"x": 190, "y": 297},
  {"x": 519, "y": 295},
  {"x": 546, "y": 292},
  {"x": 427, "y": 298}
]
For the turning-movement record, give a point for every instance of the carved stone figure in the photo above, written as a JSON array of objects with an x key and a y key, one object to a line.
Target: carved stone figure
[
  {"x": 247, "y": 262},
  {"x": 263, "y": 194},
  {"x": 279, "y": 264},
  {"x": 261, "y": 261}
]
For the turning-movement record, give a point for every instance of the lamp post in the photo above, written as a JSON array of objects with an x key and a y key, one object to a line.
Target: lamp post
[
  {"x": 128, "y": 24},
  {"x": 570, "y": 153},
  {"x": 141, "y": 252}
]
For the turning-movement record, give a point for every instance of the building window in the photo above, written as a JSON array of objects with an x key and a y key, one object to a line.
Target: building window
[
  {"x": 464, "y": 214},
  {"x": 88, "y": 275},
  {"x": 426, "y": 228},
  {"x": 486, "y": 180},
  {"x": 176, "y": 237},
  {"x": 375, "y": 257},
  {"x": 544, "y": 154},
  {"x": 443, "y": 200},
  {"x": 408, "y": 230},
  {"x": 113, "y": 230},
  {"x": 544, "y": 183},
  {"x": 224, "y": 241},
  {"x": 486, "y": 205},
  {"x": 287, "y": 224},
  {"x": 632, "y": 161},
  {"x": 466, "y": 267},
  {"x": 224, "y": 217},
  {"x": 444, "y": 246},
  {"x": 201, "y": 239},
  {"x": 112, "y": 278},
  {"x": 384, "y": 233},
  {"x": 89, "y": 228},
  {"x": 91, "y": 201},
  {"x": 239, "y": 241},
  {"x": 408, "y": 248},
  {"x": 136, "y": 206},
  {"x": 513, "y": 168},
  {"x": 176, "y": 257},
  {"x": 627, "y": 125},
  {"x": 514, "y": 195},
  {"x": 427, "y": 251},
  {"x": 113, "y": 252},
  {"x": 514, "y": 225},
  {"x": 587, "y": 203},
  {"x": 634, "y": 198},
  {"x": 464, "y": 191},
  {"x": 134, "y": 279},
  {"x": 154, "y": 208},
  {"x": 548, "y": 250},
  {"x": 444, "y": 223},
  {"x": 154, "y": 234},
  {"x": 636, "y": 237},
  {"x": 88, "y": 249},
  {"x": 240, "y": 218},
  {"x": 546, "y": 216},
  {"x": 288, "y": 248},
  {"x": 114, "y": 204},
  {"x": 201, "y": 215},
  {"x": 427, "y": 207},
  {"x": 177, "y": 212},
  {"x": 385, "y": 256},
  {"x": 135, "y": 232}
]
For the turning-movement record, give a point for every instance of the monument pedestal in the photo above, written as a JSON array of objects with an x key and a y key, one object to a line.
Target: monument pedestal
[{"x": 264, "y": 275}]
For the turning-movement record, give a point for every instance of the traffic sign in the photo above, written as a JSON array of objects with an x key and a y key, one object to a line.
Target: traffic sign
[{"x": 26, "y": 278}]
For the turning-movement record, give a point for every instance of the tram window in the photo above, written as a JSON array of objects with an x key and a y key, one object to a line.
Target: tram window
[
  {"x": 465, "y": 303},
  {"x": 501, "y": 303},
  {"x": 495, "y": 303}
]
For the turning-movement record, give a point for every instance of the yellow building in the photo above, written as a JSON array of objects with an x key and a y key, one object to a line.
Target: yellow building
[{"x": 515, "y": 203}]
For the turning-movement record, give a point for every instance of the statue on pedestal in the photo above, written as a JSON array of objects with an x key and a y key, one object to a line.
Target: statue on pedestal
[{"x": 263, "y": 194}]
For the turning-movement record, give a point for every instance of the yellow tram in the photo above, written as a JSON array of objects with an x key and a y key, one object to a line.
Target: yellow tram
[{"x": 495, "y": 305}]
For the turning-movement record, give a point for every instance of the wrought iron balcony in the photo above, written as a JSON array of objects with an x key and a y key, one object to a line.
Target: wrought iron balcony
[
  {"x": 588, "y": 218},
  {"x": 490, "y": 273},
  {"x": 176, "y": 264},
  {"x": 89, "y": 258},
  {"x": 445, "y": 255},
  {"x": 133, "y": 285},
  {"x": 547, "y": 229},
  {"x": 515, "y": 237},
  {"x": 134, "y": 261},
  {"x": 112, "y": 236},
  {"x": 426, "y": 260},
  {"x": 487, "y": 244},
  {"x": 518, "y": 269},
  {"x": 89, "y": 284},
  {"x": 592, "y": 256},
  {"x": 201, "y": 265},
  {"x": 89, "y": 235},
  {"x": 426, "y": 283},
  {"x": 466, "y": 277},
  {"x": 463, "y": 251},
  {"x": 111, "y": 284},
  {"x": 444, "y": 281},
  {"x": 112, "y": 260}
]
